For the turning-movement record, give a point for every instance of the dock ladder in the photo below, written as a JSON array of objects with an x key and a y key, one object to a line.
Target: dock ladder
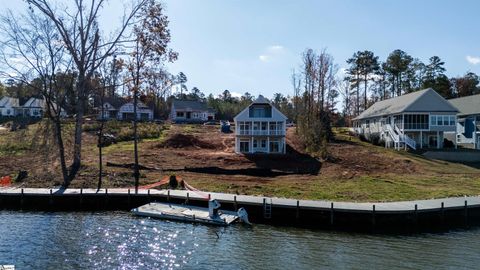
[{"x": 267, "y": 209}]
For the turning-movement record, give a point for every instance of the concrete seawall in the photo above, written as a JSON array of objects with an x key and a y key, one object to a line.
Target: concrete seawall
[{"x": 410, "y": 216}]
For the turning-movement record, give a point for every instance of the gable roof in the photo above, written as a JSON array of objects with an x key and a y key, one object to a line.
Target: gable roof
[
  {"x": 8, "y": 100},
  {"x": 34, "y": 103},
  {"x": 193, "y": 105},
  {"x": 467, "y": 105},
  {"x": 427, "y": 100},
  {"x": 276, "y": 114}
]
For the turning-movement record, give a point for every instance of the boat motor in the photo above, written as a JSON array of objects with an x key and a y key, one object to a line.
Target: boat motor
[
  {"x": 213, "y": 206},
  {"x": 243, "y": 216}
]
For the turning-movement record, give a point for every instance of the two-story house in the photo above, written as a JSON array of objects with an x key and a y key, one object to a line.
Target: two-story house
[
  {"x": 415, "y": 120},
  {"x": 7, "y": 106},
  {"x": 260, "y": 128},
  {"x": 468, "y": 121}
]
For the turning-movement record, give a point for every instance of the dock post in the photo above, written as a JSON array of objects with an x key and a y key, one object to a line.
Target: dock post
[
  {"x": 466, "y": 213},
  {"x": 149, "y": 198},
  {"x": 373, "y": 216},
  {"x": 129, "y": 199},
  {"x": 21, "y": 200},
  {"x": 442, "y": 213},
  {"x": 235, "y": 202},
  {"x": 416, "y": 215},
  {"x": 331, "y": 214},
  {"x": 81, "y": 197},
  {"x": 209, "y": 196},
  {"x": 188, "y": 197},
  {"x": 297, "y": 215},
  {"x": 106, "y": 198},
  {"x": 168, "y": 195},
  {"x": 50, "y": 201}
]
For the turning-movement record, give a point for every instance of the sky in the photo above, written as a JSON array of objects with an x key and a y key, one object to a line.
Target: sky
[{"x": 253, "y": 46}]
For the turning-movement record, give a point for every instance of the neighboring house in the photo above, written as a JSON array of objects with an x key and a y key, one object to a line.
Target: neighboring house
[
  {"x": 33, "y": 107},
  {"x": 414, "y": 120},
  {"x": 260, "y": 128},
  {"x": 110, "y": 108},
  {"x": 125, "y": 112},
  {"x": 7, "y": 106},
  {"x": 468, "y": 121},
  {"x": 190, "y": 111}
]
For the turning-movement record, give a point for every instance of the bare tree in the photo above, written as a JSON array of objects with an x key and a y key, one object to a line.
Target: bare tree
[
  {"x": 150, "y": 50},
  {"x": 32, "y": 54},
  {"x": 82, "y": 38}
]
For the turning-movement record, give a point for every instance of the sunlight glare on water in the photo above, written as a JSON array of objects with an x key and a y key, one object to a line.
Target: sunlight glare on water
[{"x": 106, "y": 240}]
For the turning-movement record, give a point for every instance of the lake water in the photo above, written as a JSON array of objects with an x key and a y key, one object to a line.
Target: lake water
[{"x": 106, "y": 240}]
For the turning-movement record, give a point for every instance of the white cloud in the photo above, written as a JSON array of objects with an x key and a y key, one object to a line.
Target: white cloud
[
  {"x": 264, "y": 58},
  {"x": 271, "y": 52},
  {"x": 473, "y": 60},
  {"x": 235, "y": 94}
]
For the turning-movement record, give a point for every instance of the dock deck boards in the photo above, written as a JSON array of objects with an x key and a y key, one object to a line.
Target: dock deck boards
[{"x": 401, "y": 206}]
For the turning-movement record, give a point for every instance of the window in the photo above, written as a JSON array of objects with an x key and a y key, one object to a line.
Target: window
[
  {"x": 433, "y": 120},
  {"x": 452, "y": 120},
  {"x": 264, "y": 143},
  {"x": 274, "y": 146},
  {"x": 244, "y": 146},
  {"x": 8, "y": 112},
  {"x": 179, "y": 114},
  {"x": 439, "y": 120},
  {"x": 255, "y": 144},
  {"x": 445, "y": 120}
]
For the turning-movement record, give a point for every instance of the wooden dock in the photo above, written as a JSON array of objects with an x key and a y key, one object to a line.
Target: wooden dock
[{"x": 434, "y": 214}]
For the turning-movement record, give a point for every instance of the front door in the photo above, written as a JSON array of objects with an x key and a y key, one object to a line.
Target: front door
[
  {"x": 189, "y": 115},
  {"x": 432, "y": 141}
]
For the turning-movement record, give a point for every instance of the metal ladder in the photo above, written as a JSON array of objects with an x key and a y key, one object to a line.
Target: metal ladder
[{"x": 267, "y": 209}]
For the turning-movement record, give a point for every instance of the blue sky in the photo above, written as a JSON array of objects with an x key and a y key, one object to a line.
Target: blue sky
[{"x": 254, "y": 45}]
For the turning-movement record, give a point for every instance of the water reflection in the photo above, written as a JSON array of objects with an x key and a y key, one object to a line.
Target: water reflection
[{"x": 119, "y": 240}]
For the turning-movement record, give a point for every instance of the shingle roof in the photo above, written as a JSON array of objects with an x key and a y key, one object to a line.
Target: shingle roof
[
  {"x": 426, "y": 100},
  {"x": 190, "y": 105},
  {"x": 467, "y": 105},
  {"x": 5, "y": 100}
]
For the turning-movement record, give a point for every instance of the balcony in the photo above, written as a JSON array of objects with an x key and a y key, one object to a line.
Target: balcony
[{"x": 261, "y": 132}]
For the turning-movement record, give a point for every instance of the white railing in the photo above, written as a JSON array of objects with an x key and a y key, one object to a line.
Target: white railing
[
  {"x": 260, "y": 132},
  {"x": 398, "y": 136},
  {"x": 392, "y": 133},
  {"x": 410, "y": 142}
]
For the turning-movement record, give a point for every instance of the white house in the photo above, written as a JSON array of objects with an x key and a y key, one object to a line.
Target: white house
[
  {"x": 7, "y": 106},
  {"x": 125, "y": 112},
  {"x": 414, "y": 120},
  {"x": 33, "y": 107},
  {"x": 260, "y": 128},
  {"x": 191, "y": 111},
  {"x": 468, "y": 121}
]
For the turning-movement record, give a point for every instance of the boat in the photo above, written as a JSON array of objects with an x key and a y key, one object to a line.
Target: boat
[{"x": 195, "y": 214}]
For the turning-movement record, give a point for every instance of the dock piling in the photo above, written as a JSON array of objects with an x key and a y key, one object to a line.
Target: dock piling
[
  {"x": 235, "y": 202},
  {"x": 168, "y": 195},
  {"x": 297, "y": 215},
  {"x": 466, "y": 213},
  {"x": 188, "y": 197},
  {"x": 373, "y": 216},
  {"x": 331, "y": 214},
  {"x": 21, "y": 199}
]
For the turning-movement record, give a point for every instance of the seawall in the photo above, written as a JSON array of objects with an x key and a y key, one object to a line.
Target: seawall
[{"x": 410, "y": 216}]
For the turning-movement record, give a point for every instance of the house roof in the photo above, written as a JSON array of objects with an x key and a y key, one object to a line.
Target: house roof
[
  {"x": 244, "y": 114},
  {"x": 467, "y": 105},
  {"x": 193, "y": 105},
  {"x": 427, "y": 100},
  {"x": 34, "y": 103},
  {"x": 6, "y": 100},
  {"x": 116, "y": 102}
]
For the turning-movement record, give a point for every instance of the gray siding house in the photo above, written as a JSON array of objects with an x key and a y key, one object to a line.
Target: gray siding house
[
  {"x": 415, "y": 120},
  {"x": 190, "y": 111},
  {"x": 468, "y": 121}
]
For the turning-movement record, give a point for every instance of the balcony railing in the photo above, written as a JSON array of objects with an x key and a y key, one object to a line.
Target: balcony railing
[{"x": 261, "y": 132}]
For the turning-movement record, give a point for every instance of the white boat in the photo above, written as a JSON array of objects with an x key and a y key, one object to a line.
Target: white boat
[{"x": 211, "y": 215}]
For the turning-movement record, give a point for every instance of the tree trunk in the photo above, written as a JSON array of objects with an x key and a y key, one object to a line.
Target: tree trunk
[
  {"x": 77, "y": 146},
  {"x": 61, "y": 150},
  {"x": 365, "y": 98},
  {"x": 136, "y": 172},
  {"x": 358, "y": 94}
]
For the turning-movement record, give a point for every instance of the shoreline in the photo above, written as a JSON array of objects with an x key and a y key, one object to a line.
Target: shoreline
[{"x": 390, "y": 217}]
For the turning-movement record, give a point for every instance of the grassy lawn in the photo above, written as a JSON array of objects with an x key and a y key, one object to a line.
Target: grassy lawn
[{"x": 355, "y": 170}]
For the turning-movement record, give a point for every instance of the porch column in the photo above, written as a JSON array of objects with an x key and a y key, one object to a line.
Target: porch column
[
  {"x": 421, "y": 139},
  {"x": 268, "y": 144},
  {"x": 268, "y": 131},
  {"x": 438, "y": 139},
  {"x": 250, "y": 146}
]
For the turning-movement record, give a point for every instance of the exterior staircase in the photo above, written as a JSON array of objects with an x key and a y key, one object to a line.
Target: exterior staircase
[{"x": 399, "y": 138}]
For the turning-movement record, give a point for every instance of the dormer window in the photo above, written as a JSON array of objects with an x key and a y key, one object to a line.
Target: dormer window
[{"x": 260, "y": 111}]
